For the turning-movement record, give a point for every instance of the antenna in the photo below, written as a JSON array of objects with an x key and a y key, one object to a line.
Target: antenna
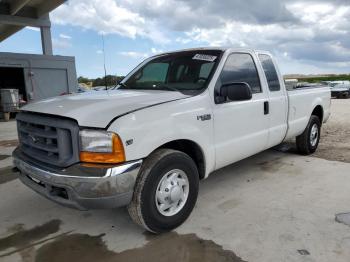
[{"x": 104, "y": 59}]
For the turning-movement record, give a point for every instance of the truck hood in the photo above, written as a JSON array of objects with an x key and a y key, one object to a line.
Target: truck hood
[{"x": 98, "y": 108}]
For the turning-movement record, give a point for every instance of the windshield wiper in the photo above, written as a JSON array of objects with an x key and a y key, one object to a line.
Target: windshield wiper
[
  {"x": 119, "y": 84},
  {"x": 123, "y": 85},
  {"x": 160, "y": 87}
]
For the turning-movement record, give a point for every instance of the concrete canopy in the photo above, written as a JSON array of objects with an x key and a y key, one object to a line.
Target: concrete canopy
[{"x": 17, "y": 14}]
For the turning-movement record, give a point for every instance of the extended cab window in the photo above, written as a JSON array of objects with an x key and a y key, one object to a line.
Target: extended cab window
[
  {"x": 270, "y": 72},
  {"x": 188, "y": 71},
  {"x": 241, "y": 68}
]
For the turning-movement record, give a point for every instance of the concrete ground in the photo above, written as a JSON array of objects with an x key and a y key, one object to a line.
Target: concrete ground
[{"x": 275, "y": 206}]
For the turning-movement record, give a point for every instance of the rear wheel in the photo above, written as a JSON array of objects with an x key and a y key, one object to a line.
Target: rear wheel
[
  {"x": 308, "y": 141},
  {"x": 166, "y": 191}
]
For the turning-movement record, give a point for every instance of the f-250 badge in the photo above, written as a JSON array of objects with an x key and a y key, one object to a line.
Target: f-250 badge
[{"x": 204, "y": 117}]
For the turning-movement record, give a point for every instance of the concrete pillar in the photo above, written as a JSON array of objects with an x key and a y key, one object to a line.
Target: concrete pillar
[{"x": 46, "y": 41}]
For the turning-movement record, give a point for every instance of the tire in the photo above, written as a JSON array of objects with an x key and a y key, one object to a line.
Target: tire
[
  {"x": 145, "y": 209},
  {"x": 306, "y": 142}
]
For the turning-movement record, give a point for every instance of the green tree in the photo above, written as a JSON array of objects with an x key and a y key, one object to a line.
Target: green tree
[
  {"x": 84, "y": 80},
  {"x": 342, "y": 77},
  {"x": 109, "y": 80}
]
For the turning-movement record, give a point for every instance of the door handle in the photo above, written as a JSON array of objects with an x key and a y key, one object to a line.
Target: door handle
[{"x": 266, "y": 108}]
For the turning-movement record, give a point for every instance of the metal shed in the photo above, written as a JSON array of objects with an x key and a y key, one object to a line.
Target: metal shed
[
  {"x": 35, "y": 76},
  {"x": 38, "y": 76}
]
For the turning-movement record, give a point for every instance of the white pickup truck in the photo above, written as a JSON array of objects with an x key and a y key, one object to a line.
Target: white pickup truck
[{"x": 172, "y": 121}]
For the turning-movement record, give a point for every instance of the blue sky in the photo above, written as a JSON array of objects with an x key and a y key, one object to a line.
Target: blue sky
[
  {"x": 122, "y": 53},
  {"x": 307, "y": 36}
]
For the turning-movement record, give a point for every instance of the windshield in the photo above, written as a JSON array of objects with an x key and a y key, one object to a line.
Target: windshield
[{"x": 188, "y": 71}]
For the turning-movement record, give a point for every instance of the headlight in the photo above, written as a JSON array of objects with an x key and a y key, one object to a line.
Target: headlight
[{"x": 100, "y": 147}]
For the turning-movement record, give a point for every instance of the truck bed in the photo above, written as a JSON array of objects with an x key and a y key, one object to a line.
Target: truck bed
[{"x": 302, "y": 101}]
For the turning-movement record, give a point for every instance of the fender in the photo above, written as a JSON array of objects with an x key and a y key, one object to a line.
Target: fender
[{"x": 143, "y": 131}]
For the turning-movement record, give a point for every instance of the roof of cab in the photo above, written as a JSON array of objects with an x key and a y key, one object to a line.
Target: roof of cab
[{"x": 223, "y": 49}]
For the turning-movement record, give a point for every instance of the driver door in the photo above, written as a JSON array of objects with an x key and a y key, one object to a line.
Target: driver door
[{"x": 241, "y": 127}]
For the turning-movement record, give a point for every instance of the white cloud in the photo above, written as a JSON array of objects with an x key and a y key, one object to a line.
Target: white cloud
[
  {"x": 33, "y": 28},
  {"x": 135, "y": 55},
  {"x": 59, "y": 43},
  {"x": 310, "y": 32},
  {"x": 141, "y": 55},
  {"x": 106, "y": 17},
  {"x": 155, "y": 51},
  {"x": 183, "y": 40},
  {"x": 65, "y": 36},
  {"x": 103, "y": 16},
  {"x": 99, "y": 52}
]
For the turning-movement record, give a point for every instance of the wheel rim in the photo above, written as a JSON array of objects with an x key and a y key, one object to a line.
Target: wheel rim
[
  {"x": 172, "y": 192},
  {"x": 314, "y": 135}
]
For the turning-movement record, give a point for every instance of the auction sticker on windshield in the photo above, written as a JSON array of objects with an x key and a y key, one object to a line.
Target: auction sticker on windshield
[{"x": 204, "y": 57}]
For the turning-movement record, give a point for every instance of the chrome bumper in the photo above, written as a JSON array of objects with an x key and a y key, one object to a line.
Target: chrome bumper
[{"x": 80, "y": 186}]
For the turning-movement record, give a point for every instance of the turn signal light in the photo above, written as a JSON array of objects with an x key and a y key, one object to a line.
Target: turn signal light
[{"x": 116, "y": 156}]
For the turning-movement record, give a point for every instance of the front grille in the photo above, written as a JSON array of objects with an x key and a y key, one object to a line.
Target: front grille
[{"x": 49, "y": 139}]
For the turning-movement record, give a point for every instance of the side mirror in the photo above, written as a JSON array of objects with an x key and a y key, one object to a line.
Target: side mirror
[{"x": 237, "y": 91}]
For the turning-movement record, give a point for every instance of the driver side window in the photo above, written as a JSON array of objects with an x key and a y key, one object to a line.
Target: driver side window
[{"x": 240, "y": 67}]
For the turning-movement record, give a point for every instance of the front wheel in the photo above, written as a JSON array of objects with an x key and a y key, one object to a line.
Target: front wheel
[
  {"x": 165, "y": 192},
  {"x": 308, "y": 141}
]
